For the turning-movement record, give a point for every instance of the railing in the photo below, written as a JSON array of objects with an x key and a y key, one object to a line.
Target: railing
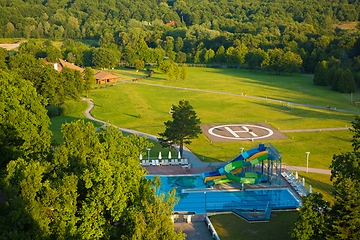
[
  {"x": 211, "y": 228},
  {"x": 251, "y": 207}
]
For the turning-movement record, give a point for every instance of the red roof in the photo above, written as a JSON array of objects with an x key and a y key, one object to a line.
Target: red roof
[{"x": 171, "y": 23}]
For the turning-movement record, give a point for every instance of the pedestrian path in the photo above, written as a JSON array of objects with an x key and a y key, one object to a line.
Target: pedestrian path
[
  {"x": 193, "y": 159},
  {"x": 246, "y": 96}
]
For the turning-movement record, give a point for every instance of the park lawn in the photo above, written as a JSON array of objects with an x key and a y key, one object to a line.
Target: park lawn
[
  {"x": 298, "y": 88},
  {"x": 319, "y": 183},
  {"x": 128, "y": 74},
  {"x": 280, "y": 226}
]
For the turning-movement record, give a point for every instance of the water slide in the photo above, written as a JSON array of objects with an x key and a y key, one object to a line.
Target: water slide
[
  {"x": 241, "y": 157},
  {"x": 247, "y": 178},
  {"x": 237, "y": 170}
]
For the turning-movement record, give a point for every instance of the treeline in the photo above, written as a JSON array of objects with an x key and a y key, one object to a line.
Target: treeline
[
  {"x": 55, "y": 87},
  {"x": 278, "y": 37}
]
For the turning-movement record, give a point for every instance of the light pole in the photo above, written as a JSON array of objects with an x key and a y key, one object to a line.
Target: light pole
[
  {"x": 307, "y": 162},
  {"x": 242, "y": 150},
  {"x": 148, "y": 153},
  {"x": 205, "y": 204}
]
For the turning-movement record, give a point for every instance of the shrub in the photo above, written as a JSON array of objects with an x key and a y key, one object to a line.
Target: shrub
[
  {"x": 67, "y": 108},
  {"x": 52, "y": 111}
]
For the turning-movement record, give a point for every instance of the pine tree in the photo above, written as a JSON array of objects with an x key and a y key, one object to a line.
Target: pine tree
[
  {"x": 183, "y": 127},
  {"x": 320, "y": 74}
]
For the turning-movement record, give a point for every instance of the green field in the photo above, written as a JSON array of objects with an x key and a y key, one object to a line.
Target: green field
[
  {"x": 280, "y": 226},
  {"x": 145, "y": 108},
  {"x": 123, "y": 104}
]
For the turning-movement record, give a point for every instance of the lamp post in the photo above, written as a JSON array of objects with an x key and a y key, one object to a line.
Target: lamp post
[
  {"x": 242, "y": 150},
  {"x": 205, "y": 204},
  {"x": 148, "y": 153},
  {"x": 307, "y": 162}
]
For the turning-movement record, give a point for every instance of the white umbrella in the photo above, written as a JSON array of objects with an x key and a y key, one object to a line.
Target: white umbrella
[
  {"x": 303, "y": 182},
  {"x": 160, "y": 155},
  {"x": 310, "y": 191},
  {"x": 179, "y": 156},
  {"x": 140, "y": 157},
  {"x": 296, "y": 175},
  {"x": 169, "y": 155}
]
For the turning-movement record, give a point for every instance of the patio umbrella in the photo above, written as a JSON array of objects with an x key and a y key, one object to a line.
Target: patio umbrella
[
  {"x": 303, "y": 182},
  {"x": 179, "y": 156},
  {"x": 160, "y": 155},
  {"x": 310, "y": 191},
  {"x": 169, "y": 155},
  {"x": 296, "y": 175},
  {"x": 140, "y": 157}
]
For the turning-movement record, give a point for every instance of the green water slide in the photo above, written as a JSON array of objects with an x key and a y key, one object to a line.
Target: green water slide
[{"x": 249, "y": 178}]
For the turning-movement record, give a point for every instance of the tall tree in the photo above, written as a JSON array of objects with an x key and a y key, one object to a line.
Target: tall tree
[
  {"x": 313, "y": 218},
  {"x": 320, "y": 74},
  {"x": 19, "y": 138},
  {"x": 183, "y": 72},
  {"x": 89, "y": 78},
  {"x": 183, "y": 128}
]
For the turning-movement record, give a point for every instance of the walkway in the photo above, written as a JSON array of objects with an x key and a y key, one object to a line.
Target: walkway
[
  {"x": 193, "y": 159},
  {"x": 244, "y": 95}
]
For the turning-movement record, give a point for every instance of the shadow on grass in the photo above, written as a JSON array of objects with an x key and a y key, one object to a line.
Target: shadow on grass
[
  {"x": 299, "y": 112},
  {"x": 130, "y": 115}
]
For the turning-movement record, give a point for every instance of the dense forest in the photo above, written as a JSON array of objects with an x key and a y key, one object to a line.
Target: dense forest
[{"x": 196, "y": 31}]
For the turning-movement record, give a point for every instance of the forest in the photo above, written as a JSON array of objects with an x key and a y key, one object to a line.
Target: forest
[{"x": 280, "y": 37}]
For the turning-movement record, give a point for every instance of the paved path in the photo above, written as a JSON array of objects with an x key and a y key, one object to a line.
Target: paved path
[
  {"x": 245, "y": 96},
  {"x": 313, "y": 170},
  {"x": 195, "y": 161}
]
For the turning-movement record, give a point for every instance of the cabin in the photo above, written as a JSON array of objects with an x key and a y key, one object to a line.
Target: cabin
[{"x": 101, "y": 77}]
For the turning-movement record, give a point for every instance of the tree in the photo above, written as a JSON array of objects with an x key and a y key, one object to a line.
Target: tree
[
  {"x": 313, "y": 217},
  {"x": 139, "y": 64},
  {"x": 104, "y": 58},
  {"x": 183, "y": 72},
  {"x": 19, "y": 138},
  {"x": 91, "y": 187},
  {"x": 345, "y": 222},
  {"x": 345, "y": 174},
  {"x": 89, "y": 78},
  {"x": 320, "y": 74},
  {"x": 72, "y": 82},
  {"x": 346, "y": 83},
  {"x": 183, "y": 127}
]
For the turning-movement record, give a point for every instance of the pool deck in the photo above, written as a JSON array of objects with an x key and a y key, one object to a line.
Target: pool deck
[{"x": 175, "y": 170}]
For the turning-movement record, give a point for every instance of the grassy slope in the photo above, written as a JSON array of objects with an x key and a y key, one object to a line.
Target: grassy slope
[{"x": 280, "y": 226}]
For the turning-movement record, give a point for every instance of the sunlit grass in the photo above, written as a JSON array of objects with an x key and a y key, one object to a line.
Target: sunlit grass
[{"x": 280, "y": 226}]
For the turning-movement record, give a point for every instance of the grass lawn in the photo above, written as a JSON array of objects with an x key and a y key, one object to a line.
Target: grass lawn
[
  {"x": 319, "y": 183},
  {"x": 78, "y": 113},
  {"x": 280, "y": 226},
  {"x": 145, "y": 108}
]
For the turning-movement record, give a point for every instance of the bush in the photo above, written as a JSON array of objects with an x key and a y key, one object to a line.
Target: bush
[
  {"x": 67, "y": 108},
  {"x": 52, "y": 111}
]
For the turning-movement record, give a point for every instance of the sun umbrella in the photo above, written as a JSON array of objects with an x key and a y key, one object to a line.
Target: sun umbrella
[
  {"x": 310, "y": 191},
  {"x": 296, "y": 175},
  {"x": 179, "y": 156},
  {"x": 160, "y": 155},
  {"x": 169, "y": 155},
  {"x": 140, "y": 157},
  {"x": 303, "y": 182}
]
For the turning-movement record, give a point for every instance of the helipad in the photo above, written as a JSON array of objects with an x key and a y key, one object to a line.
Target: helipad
[{"x": 241, "y": 132}]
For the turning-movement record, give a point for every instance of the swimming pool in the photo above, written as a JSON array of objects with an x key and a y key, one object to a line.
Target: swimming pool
[{"x": 193, "y": 194}]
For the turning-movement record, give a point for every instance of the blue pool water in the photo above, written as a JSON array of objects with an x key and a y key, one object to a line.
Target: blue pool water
[{"x": 191, "y": 193}]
